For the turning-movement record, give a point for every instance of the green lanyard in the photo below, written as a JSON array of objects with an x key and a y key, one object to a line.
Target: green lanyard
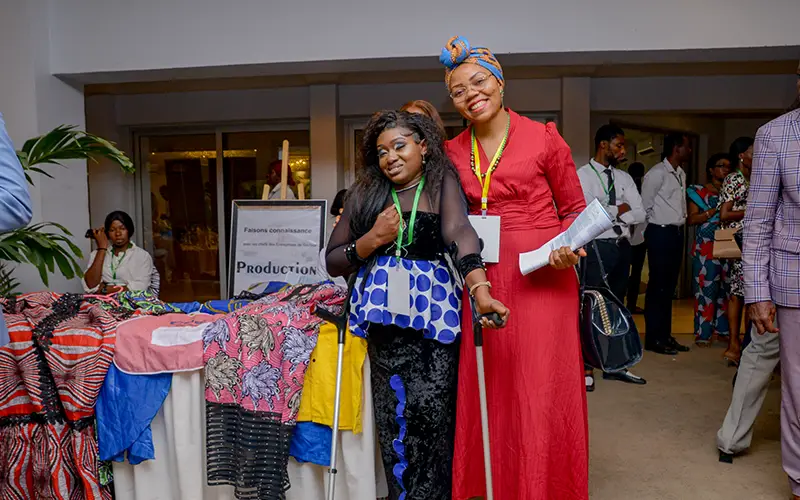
[
  {"x": 603, "y": 182},
  {"x": 410, "y": 237},
  {"x": 115, "y": 264}
]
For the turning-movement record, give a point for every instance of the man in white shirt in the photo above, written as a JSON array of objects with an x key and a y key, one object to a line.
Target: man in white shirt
[
  {"x": 617, "y": 192},
  {"x": 664, "y": 199}
]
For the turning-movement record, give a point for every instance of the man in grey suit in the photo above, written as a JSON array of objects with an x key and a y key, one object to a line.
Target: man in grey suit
[
  {"x": 771, "y": 262},
  {"x": 15, "y": 202}
]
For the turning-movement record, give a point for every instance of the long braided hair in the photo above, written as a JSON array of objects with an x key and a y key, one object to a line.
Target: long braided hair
[{"x": 371, "y": 192}]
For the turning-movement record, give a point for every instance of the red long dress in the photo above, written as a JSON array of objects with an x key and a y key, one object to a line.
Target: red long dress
[{"x": 534, "y": 370}]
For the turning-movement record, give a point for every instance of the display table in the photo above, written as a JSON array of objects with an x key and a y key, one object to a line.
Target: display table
[{"x": 179, "y": 469}]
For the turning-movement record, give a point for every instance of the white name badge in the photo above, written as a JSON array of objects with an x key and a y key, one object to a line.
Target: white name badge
[
  {"x": 488, "y": 229},
  {"x": 399, "y": 290}
]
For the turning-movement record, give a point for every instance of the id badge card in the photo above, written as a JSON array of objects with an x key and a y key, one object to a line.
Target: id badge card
[
  {"x": 488, "y": 229},
  {"x": 399, "y": 290}
]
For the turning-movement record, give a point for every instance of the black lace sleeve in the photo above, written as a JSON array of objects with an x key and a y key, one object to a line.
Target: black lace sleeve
[
  {"x": 336, "y": 254},
  {"x": 456, "y": 227}
]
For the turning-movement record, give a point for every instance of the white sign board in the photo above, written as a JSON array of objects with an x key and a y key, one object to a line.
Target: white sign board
[{"x": 275, "y": 241}]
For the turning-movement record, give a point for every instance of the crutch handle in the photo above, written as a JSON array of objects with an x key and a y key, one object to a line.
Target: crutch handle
[
  {"x": 495, "y": 318},
  {"x": 340, "y": 322}
]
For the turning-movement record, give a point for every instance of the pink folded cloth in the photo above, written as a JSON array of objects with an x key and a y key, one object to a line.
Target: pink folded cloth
[{"x": 162, "y": 344}]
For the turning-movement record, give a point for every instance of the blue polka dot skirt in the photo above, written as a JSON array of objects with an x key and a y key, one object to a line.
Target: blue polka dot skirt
[{"x": 435, "y": 300}]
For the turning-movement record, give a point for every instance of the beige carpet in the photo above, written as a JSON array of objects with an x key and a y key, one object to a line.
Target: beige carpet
[{"x": 658, "y": 441}]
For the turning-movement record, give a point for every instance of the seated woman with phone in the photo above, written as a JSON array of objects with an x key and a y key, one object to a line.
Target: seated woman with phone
[{"x": 117, "y": 265}]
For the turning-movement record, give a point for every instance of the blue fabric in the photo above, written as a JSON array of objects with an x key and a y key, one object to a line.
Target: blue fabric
[
  {"x": 435, "y": 301},
  {"x": 695, "y": 197},
  {"x": 311, "y": 442},
  {"x": 126, "y": 406},
  {"x": 187, "y": 307},
  {"x": 15, "y": 201},
  {"x": 396, "y": 383},
  {"x": 225, "y": 306}
]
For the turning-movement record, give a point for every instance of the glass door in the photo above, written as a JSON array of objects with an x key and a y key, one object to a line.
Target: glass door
[
  {"x": 181, "y": 182},
  {"x": 187, "y": 194}
]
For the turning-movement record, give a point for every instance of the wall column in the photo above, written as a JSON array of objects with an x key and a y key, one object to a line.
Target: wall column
[{"x": 576, "y": 114}]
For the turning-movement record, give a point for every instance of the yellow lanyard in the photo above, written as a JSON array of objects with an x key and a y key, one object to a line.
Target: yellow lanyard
[{"x": 486, "y": 179}]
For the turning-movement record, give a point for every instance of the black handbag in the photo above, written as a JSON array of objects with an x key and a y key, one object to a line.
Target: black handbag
[{"x": 609, "y": 337}]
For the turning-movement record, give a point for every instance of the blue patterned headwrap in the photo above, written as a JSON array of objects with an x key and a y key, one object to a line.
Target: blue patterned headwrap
[{"x": 458, "y": 51}]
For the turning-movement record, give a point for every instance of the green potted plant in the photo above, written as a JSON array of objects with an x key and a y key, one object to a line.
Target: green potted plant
[{"x": 47, "y": 245}]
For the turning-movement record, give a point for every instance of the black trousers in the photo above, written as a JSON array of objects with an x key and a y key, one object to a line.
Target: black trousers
[
  {"x": 425, "y": 373},
  {"x": 665, "y": 253},
  {"x": 638, "y": 254},
  {"x": 616, "y": 257}
]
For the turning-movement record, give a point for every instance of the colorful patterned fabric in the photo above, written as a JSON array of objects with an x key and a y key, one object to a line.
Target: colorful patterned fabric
[
  {"x": 50, "y": 375},
  {"x": 771, "y": 254},
  {"x": 458, "y": 51},
  {"x": 146, "y": 302},
  {"x": 435, "y": 301},
  {"x": 735, "y": 189},
  {"x": 710, "y": 302},
  {"x": 255, "y": 362}
]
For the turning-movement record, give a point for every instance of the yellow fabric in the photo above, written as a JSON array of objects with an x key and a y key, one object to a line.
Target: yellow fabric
[{"x": 319, "y": 388}]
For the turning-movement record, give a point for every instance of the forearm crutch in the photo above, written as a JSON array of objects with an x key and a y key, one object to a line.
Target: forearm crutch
[
  {"x": 477, "y": 330},
  {"x": 340, "y": 322}
]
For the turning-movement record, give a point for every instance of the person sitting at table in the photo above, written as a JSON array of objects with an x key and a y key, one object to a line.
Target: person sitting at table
[{"x": 117, "y": 264}]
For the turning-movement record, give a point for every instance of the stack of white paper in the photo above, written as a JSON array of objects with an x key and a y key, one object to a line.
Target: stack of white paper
[{"x": 590, "y": 224}]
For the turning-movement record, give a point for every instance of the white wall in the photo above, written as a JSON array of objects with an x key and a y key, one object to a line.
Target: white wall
[
  {"x": 117, "y": 35},
  {"x": 34, "y": 102}
]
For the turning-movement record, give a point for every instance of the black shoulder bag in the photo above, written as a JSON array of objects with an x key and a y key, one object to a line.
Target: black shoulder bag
[{"x": 609, "y": 337}]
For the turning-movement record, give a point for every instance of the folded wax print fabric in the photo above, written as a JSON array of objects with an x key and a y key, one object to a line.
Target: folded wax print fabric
[
  {"x": 50, "y": 375},
  {"x": 255, "y": 362}
]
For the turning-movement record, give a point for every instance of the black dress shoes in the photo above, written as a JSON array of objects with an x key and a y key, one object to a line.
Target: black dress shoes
[
  {"x": 661, "y": 348},
  {"x": 677, "y": 345},
  {"x": 625, "y": 376}
]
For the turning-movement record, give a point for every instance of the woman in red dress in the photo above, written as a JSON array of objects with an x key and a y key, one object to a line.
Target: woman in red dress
[{"x": 534, "y": 372}]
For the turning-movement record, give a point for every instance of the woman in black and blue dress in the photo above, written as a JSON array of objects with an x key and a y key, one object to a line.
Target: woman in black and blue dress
[{"x": 403, "y": 215}]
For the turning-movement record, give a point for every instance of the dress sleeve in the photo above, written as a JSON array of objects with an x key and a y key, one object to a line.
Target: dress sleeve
[
  {"x": 456, "y": 227},
  {"x": 562, "y": 176},
  {"x": 86, "y": 288},
  {"x": 759, "y": 218},
  {"x": 335, "y": 258},
  {"x": 728, "y": 191},
  {"x": 141, "y": 272}
]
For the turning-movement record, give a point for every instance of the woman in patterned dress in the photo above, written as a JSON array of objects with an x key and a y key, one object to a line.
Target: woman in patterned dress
[
  {"x": 710, "y": 301},
  {"x": 733, "y": 201},
  {"x": 406, "y": 301}
]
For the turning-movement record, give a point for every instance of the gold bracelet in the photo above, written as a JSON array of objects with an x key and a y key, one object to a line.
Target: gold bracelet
[{"x": 477, "y": 285}]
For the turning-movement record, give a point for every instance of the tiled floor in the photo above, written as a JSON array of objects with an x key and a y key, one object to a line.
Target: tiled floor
[{"x": 658, "y": 441}]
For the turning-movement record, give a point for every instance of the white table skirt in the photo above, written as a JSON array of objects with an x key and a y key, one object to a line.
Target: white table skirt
[{"x": 179, "y": 469}]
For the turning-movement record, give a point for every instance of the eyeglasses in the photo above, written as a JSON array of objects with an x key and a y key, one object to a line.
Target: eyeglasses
[{"x": 459, "y": 93}]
